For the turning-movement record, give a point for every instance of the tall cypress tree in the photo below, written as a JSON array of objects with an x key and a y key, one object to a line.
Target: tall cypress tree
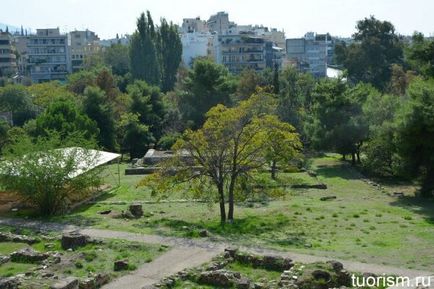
[
  {"x": 171, "y": 52},
  {"x": 143, "y": 52}
]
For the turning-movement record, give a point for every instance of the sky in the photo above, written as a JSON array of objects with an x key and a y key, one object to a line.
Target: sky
[{"x": 295, "y": 17}]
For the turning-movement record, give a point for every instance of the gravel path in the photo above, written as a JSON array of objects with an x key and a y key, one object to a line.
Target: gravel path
[{"x": 187, "y": 253}]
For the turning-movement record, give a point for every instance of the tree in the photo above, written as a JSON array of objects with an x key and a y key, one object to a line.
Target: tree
[
  {"x": 144, "y": 60},
  {"x": 45, "y": 175},
  {"x": 117, "y": 58},
  {"x": 147, "y": 103},
  {"x": 4, "y": 127},
  {"x": 420, "y": 55},
  {"x": 369, "y": 59},
  {"x": 283, "y": 146},
  {"x": 77, "y": 82},
  {"x": 337, "y": 121},
  {"x": 380, "y": 149},
  {"x": 295, "y": 97},
  {"x": 248, "y": 83},
  {"x": 98, "y": 108},
  {"x": 45, "y": 93},
  {"x": 134, "y": 138},
  {"x": 231, "y": 145},
  {"x": 171, "y": 52},
  {"x": 16, "y": 99},
  {"x": 207, "y": 85},
  {"x": 414, "y": 131},
  {"x": 64, "y": 117}
]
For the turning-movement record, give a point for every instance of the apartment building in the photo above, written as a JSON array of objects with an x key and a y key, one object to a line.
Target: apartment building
[
  {"x": 8, "y": 59},
  {"x": 82, "y": 44},
  {"x": 312, "y": 53},
  {"x": 238, "y": 52},
  {"x": 48, "y": 55},
  {"x": 219, "y": 23}
]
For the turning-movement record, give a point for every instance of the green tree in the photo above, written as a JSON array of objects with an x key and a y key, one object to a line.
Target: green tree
[
  {"x": 64, "y": 117},
  {"x": 207, "y": 85},
  {"x": 45, "y": 175},
  {"x": 77, "y": 82},
  {"x": 134, "y": 138},
  {"x": 248, "y": 82},
  {"x": 97, "y": 108},
  {"x": 414, "y": 134},
  {"x": 117, "y": 58},
  {"x": 369, "y": 59},
  {"x": 45, "y": 93},
  {"x": 295, "y": 97},
  {"x": 380, "y": 149},
  {"x": 4, "y": 128},
  {"x": 337, "y": 122},
  {"x": 171, "y": 52},
  {"x": 231, "y": 145},
  {"x": 144, "y": 59},
  {"x": 147, "y": 103},
  {"x": 420, "y": 55},
  {"x": 16, "y": 99}
]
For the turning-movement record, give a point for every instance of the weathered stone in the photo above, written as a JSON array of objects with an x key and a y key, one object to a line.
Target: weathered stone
[
  {"x": 73, "y": 240},
  {"x": 343, "y": 278},
  {"x": 28, "y": 255},
  {"x": 231, "y": 251},
  {"x": 4, "y": 259},
  {"x": 67, "y": 283},
  {"x": 9, "y": 283},
  {"x": 88, "y": 283},
  {"x": 242, "y": 283},
  {"x": 337, "y": 266},
  {"x": 121, "y": 265},
  {"x": 277, "y": 263},
  {"x": 328, "y": 198},
  {"x": 309, "y": 186},
  {"x": 136, "y": 210},
  {"x": 203, "y": 233},
  {"x": 321, "y": 275},
  {"x": 102, "y": 279},
  {"x": 219, "y": 278},
  {"x": 9, "y": 237}
]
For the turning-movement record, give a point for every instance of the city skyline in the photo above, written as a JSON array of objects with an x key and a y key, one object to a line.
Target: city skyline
[{"x": 296, "y": 17}]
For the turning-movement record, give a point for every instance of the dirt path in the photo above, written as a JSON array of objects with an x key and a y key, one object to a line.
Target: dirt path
[
  {"x": 187, "y": 253},
  {"x": 170, "y": 263}
]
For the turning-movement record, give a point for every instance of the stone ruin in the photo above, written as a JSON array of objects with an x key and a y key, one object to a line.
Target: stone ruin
[
  {"x": 293, "y": 276},
  {"x": 150, "y": 162}
]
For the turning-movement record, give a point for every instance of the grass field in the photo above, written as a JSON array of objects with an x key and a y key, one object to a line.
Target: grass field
[{"x": 363, "y": 223}]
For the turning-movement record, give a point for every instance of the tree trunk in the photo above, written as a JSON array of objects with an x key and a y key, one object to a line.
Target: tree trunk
[
  {"x": 353, "y": 158},
  {"x": 231, "y": 200},
  {"x": 273, "y": 170},
  {"x": 343, "y": 157},
  {"x": 222, "y": 204},
  {"x": 358, "y": 157}
]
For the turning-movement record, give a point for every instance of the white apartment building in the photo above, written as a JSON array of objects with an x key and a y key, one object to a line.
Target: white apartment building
[{"x": 48, "y": 55}]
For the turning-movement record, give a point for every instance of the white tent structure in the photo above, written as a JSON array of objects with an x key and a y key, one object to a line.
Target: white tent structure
[{"x": 89, "y": 159}]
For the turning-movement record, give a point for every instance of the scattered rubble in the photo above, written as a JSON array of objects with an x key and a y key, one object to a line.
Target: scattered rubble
[
  {"x": 28, "y": 255},
  {"x": 9, "y": 237}
]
